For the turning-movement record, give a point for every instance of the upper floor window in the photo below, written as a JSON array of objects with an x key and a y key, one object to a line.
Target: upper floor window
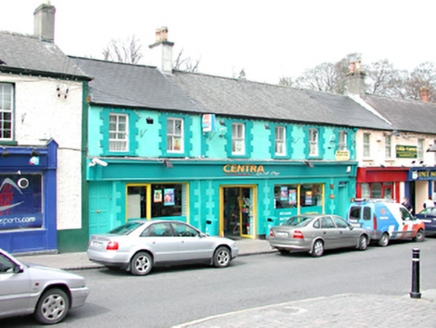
[
  {"x": 313, "y": 142},
  {"x": 342, "y": 142},
  {"x": 6, "y": 111},
  {"x": 366, "y": 145},
  {"x": 175, "y": 135},
  {"x": 388, "y": 147},
  {"x": 238, "y": 139},
  {"x": 420, "y": 149},
  {"x": 118, "y": 132},
  {"x": 280, "y": 140}
]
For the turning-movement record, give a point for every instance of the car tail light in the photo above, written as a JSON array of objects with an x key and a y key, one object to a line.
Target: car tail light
[
  {"x": 298, "y": 234},
  {"x": 112, "y": 246},
  {"x": 271, "y": 233},
  {"x": 375, "y": 222}
]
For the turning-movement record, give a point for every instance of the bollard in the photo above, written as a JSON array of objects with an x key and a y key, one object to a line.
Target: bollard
[{"x": 415, "y": 274}]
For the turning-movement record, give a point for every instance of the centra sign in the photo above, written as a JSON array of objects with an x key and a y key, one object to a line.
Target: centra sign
[
  {"x": 404, "y": 151},
  {"x": 243, "y": 168}
]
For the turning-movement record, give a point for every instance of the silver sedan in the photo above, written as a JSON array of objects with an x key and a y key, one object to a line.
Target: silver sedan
[
  {"x": 48, "y": 293},
  {"x": 138, "y": 246},
  {"x": 315, "y": 233}
]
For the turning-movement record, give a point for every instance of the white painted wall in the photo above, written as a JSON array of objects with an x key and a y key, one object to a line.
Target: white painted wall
[{"x": 40, "y": 115}]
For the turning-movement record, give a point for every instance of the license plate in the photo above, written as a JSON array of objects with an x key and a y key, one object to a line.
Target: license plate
[
  {"x": 281, "y": 235},
  {"x": 357, "y": 225},
  {"x": 427, "y": 221}
]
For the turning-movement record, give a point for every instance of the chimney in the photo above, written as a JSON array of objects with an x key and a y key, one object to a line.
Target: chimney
[
  {"x": 162, "y": 51},
  {"x": 424, "y": 93},
  {"x": 355, "y": 79},
  {"x": 44, "y": 21}
]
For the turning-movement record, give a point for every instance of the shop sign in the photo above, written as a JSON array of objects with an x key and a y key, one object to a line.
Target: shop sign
[
  {"x": 404, "y": 151},
  {"x": 423, "y": 175},
  {"x": 342, "y": 155},
  {"x": 208, "y": 122},
  {"x": 246, "y": 169}
]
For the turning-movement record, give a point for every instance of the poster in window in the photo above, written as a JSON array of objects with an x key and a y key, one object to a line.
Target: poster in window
[
  {"x": 157, "y": 198},
  {"x": 284, "y": 193},
  {"x": 169, "y": 196},
  {"x": 308, "y": 200},
  {"x": 292, "y": 197},
  {"x": 177, "y": 144}
]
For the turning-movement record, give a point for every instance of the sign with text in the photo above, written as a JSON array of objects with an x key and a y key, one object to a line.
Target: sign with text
[
  {"x": 343, "y": 155},
  {"x": 404, "y": 151}
]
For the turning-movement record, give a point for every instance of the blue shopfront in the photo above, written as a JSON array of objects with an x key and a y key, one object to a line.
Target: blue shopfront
[
  {"x": 227, "y": 198},
  {"x": 28, "y": 198}
]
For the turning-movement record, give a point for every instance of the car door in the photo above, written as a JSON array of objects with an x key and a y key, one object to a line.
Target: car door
[
  {"x": 15, "y": 287},
  {"x": 346, "y": 236},
  {"x": 406, "y": 225},
  {"x": 159, "y": 237},
  {"x": 193, "y": 246},
  {"x": 328, "y": 232}
]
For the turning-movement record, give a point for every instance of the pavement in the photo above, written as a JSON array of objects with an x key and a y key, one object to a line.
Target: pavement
[{"x": 345, "y": 310}]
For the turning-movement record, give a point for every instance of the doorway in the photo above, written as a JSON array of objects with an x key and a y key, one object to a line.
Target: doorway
[{"x": 237, "y": 211}]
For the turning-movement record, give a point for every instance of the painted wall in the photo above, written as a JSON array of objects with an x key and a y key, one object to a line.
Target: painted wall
[{"x": 43, "y": 112}]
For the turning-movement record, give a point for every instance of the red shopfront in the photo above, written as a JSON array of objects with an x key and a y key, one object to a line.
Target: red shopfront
[{"x": 380, "y": 182}]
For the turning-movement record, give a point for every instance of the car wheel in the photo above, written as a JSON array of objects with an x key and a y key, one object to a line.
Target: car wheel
[
  {"x": 221, "y": 257},
  {"x": 363, "y": 243},
  {"x": 420, "y": 236},
  {"x": 318, "y": 248},
  {"x": 384, "y": 240},
  {"x": 284, "y": 251},
  {"x": 52, "y": 307},
  {"x": 141, "y": 264}
]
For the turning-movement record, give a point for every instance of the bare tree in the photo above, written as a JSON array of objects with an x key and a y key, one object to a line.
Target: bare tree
[
  {"x": 127, "y": 51},
  {"x": 186, "y": 64},
  {"x": 286, "y": 81}
]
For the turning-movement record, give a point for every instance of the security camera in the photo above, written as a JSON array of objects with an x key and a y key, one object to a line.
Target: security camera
[{"x": 98, "y": 161}]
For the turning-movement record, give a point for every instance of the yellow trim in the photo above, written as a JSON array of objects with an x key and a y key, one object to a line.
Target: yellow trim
[
  {"x": 221, "y": 209},
  {"x": 149, "y": 197}
]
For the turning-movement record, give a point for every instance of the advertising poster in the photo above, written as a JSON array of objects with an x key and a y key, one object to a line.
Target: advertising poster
[
  {"x": 169, "y": 196},
  {"x": 157, "y": 198},
  {"x": 308, "y": 198},
  {"x": 283, "y": 193},
  {"x": 292, "y": 197}
]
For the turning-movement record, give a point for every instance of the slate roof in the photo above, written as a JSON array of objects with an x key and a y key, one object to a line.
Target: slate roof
[
  {"x": 27, "y": 54},
  {"x": 405, "y": 115},
  {"x": 266, "y": 101},
  {"x": 127, "y": 85}
]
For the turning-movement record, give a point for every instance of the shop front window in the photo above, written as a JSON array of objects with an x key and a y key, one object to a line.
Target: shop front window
[
  {"x": 136, "y": 202},
  {"x": 286, "y": 196},
  {"x": 21, "y": 201},
  {"x": 168, "y": 200},
  {"x": 365, "y": 191},
  {"x": 376, "y": 190}
]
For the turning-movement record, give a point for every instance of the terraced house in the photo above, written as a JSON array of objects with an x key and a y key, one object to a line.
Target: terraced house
[
  {"x": 222, "y": 154},
  {"x": 42, "y": 112}
]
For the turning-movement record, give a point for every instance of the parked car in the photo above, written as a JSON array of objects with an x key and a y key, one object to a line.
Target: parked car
[
  {"x": 140, "y": 245},
  {"x": 387, "y": 219},
  {"x": 48, "y": 293},
  {"x": 315, "y": 233},
  {"x": 428, "y": 216}
]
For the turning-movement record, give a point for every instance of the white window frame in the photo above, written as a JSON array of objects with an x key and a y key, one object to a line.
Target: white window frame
[
  {"x": 119, "y": 138},
  {"x": 388, "y": 147},
  {"x": 420, "y": 149},
  {"x": 280, "y": 140},
  {"x": 6, "y": 108},
  {"x": 342, "y": 140},
  {"x": 366, "y": 145},
  {"x": 313, "y": 142},
  {"x": 238, "y": 139},
  {"x": 175, "y": 138}
]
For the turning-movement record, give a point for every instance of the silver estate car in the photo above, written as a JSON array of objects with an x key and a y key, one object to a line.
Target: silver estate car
[
  {"x": 48, "y": 293},
  {"x": 315, "y": 233},
  {"x": 137, "y": 246}
]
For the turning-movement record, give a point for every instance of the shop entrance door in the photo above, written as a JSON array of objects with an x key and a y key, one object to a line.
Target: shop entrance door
[{"x": 237, "y": 213}]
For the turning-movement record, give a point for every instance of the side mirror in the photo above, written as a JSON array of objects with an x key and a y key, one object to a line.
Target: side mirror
[{"x": 18, "y": 269}]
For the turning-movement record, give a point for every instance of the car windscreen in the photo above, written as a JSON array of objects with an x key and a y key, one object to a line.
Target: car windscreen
[
  {"x": 298, "y": 221},
  {"x": 125, "y": 229}
]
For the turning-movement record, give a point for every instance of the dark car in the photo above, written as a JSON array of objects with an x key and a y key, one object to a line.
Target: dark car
[{"x": 428, "y": 216}]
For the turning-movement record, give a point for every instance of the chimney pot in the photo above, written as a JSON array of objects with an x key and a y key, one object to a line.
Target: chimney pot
[
  {"x": 351, "y": 67},
  {"x": 358, "y": 66},
  {"x": 424, "y": 93}
]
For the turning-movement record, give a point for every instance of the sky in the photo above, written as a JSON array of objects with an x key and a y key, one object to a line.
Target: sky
[{"x": 268, "y": 39}]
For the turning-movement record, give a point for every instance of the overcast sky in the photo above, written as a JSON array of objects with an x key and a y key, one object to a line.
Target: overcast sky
[{"x": 268, "y": 39}]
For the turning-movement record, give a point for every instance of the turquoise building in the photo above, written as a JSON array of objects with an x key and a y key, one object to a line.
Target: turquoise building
[{"x": 225, "y": 155}]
